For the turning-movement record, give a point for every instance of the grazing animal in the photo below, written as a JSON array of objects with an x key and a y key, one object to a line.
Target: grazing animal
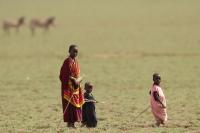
[
  {"x": 8, "y": 24},
  {"x": 45, "y": 24}
]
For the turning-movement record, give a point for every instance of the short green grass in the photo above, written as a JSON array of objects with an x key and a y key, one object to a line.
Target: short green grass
[{"x": 121, "y": 44}]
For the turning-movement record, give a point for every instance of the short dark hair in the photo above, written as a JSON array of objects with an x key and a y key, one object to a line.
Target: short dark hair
[
  {"x": 156, "y": 75},
  {"x": 72, "y": 46},
  {"x": 88, "y": 84}
]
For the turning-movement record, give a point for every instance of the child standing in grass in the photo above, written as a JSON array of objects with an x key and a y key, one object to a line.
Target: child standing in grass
[
  {"x": 158, "y": 101},
  {"x": 88, "y": 109}
]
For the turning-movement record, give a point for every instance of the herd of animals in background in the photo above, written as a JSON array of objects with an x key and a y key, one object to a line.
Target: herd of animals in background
[
  {"x": 33, "y": 24},
  {"x": 8, "y": 24}
]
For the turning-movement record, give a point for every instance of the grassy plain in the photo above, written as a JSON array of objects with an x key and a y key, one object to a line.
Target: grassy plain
[{"x": 121, "y": 44}]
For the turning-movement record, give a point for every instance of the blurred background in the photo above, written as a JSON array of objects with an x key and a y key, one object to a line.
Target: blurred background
[{"x": 121, "y": 44}]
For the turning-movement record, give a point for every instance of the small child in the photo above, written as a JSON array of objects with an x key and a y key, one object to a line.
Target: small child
[
  {"x": 88, "y": 109},
  {"x": 158, "y": 101}
]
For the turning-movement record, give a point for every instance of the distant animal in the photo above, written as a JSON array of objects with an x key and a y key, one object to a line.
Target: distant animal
[
  {"x": 13, "y": 24},
  {"x": 38, "y": 23}
]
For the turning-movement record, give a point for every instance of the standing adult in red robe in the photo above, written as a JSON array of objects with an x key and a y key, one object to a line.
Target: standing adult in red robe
[{"x": 71, "y": 92}]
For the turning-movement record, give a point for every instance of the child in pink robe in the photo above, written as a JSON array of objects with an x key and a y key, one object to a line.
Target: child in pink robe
[{"x": 158, "y": 101}]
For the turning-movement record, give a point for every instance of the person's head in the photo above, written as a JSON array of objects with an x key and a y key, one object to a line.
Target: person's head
[
  {"x": 88, "y": 87},
  {"x": 73, "y": 51},
  {"x": 156, "y": 78}
]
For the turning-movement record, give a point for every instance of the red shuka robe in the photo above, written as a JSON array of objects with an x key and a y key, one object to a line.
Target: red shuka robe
[{"x": 75, "y": 97}]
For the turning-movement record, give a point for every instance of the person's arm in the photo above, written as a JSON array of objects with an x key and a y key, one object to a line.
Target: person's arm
[
  {"x": 90, "y": 100},
  {"x": 65, "y": 74},
  {"x": 157, "y": 98},
  {"x": 65, "y": 71},
  {"x": 74, "y": 82}
]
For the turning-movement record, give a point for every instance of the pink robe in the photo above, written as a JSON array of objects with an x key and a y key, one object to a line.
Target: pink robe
[{"x": 159, "y": 113}]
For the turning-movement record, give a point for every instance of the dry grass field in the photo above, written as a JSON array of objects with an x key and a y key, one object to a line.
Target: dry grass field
[{"x": 121, "y": 44}]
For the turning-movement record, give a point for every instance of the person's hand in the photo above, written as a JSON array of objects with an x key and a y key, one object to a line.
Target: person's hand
[
  {"x": 75, "y": 82},
  {"x": 72, "y": 78},
  {"x": 93, "y": 101},
  {"x": 163, "y": 106}
]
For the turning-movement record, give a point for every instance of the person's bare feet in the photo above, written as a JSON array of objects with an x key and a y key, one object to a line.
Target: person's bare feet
[
  {"x": 71, "y": 125},
  {"x": 156, "y": 124},
  {"x": 83, "y": 125}
]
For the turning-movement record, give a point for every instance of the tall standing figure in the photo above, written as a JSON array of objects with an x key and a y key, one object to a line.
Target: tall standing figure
[
  {"x": 158, "y": 101},
  {"x": 71, "y": 92}
]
